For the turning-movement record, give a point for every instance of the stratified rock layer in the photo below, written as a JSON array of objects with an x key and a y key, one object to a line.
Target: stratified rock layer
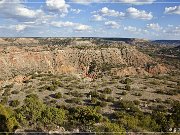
[{"x": 20, "y": 60}]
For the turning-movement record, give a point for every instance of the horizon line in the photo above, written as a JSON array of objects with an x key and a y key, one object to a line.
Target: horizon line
[
  {"x": 99, "y": 37},
  {"x": 172, "y": 2}
]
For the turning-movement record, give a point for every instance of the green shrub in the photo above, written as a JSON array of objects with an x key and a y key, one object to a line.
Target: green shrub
[
  {"x": 35, "y": 112},
  {"x": 102, "y": 97},
  {"x": 15, "y": 92},
  {"x": 93, "y": 94},
  {"x": 158, "y": 100},
  {"x": 29, "y": 91},
  {"x": 106, "y": 67},
  {"x": 84, "y": 115},
  {"x": 56, "y": 83},
  {"x": 26, "y": 81},
  {"x": 9, "y": 86},
  {"x": 76, "y": 94},
  {"x": 107, "y": 91},
  {"x": 148, "y": 123},
  {"x": 14, "y": 103},
  {"x": 92, "y": 67},
  {"x": 168, "y": 101},
  {"x": 4, "y": 100},
  {"x": 97, "y": 95},
  {"x": 161, "y": 108},
  {"x": 53, "y": 101},
  {"x": 81, "y": 86},
  {"x": 41, "y": 90},
  {"x": 32, "y": 108},
  {"x": 176, "y": 113},
  {"x": 110, "y": 99},
  {"x": 145, "y": 87},
  {"x": 75, "y": 100},
  {"x": 161, "y": 119},
  {"x": 52, "y": 115},
  {"x": 159, "y": 92},
  {"x": 58, "y": 95},
  {"x": 126, "y": 81},
  {"x": 7, "y": 120},
  {"x": 124, "y": 93},
  {"x": 51, "y": 88},
  {"x": 111, "y": 82},
  {"x": 6, "y": 92},
  {"x": 169, "y": 92},
  {"x": 118, "y": 87},
  {"x": 178, "y": 83},
  {"x": 137, "y": 94},
  {"x": 110, "y": 129},
  {"x": 34, "y": 96},
  {"x": 94, "y": 100},
  {"x": 98, "y": 109},
  {"x": 33, "y": 76},
  {"x": 128, "y": 87},
  {"x": 172, "y": 92},
  {"x": 130, "y": 122},
  {"x": 155, "y": 82},
  {"x": 102, "y": 104},
  {"x": 128, "y": 106},
  {"x": 136, "y": 102}
]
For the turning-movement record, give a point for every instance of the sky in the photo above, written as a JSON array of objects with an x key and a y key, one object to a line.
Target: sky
[{"x": 149, "y": 19}]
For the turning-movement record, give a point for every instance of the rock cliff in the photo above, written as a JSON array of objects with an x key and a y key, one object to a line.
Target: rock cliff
[{"x": 20, "y": 60}]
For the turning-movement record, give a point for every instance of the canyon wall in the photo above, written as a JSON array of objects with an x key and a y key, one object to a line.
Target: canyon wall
[{"x": 21, "y": 60}]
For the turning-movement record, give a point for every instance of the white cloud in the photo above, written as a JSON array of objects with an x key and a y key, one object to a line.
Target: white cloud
[
  {"x": 112, "y": 24},
  {"x": 25, "y": 12},
  {"x": 63, "y": 24},
  {"x": 108, "y": 12},
  {"x": 16, "y": 27},
  {"x": 170, "y": 25},
  {"x": 135, "y": 30},
  {"x": 137, "y": 2},
  {"x": 76, "y": 11},
  {"x": 172, "y": 10},
  {"x": 139, "y": 14},
  {"x": 83, "y": 2},
  {"x": 58, "y": 5},
  {"x": 97, "y": 18},
  {"x": 130, "y": 28},
  {"x": 172, "y": 31},
  {"x": 19, "y": 11},
  {"x": 21, "y": 27},
  {"x": 82, "y": 27},
  {"x": 145, "y": 31},
  {"x": 130, "y": 12},
  {"x": 87, "y": 2},
  {"x": 75, "y": 26},
  {"x": 154, "y": 26},
  {"x": 13, "y": 10}
]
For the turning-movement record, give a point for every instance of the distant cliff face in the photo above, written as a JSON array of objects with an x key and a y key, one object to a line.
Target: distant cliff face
[{"x": 18, "y": 60}]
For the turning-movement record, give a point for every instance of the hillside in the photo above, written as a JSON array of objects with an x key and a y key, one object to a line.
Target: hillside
[
  {"x": 171, "y": 52},
  {"x": 168, "y": 42},
  {"x": 74, "y": 56}
]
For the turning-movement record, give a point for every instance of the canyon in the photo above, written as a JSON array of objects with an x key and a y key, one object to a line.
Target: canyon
[{"x": 17, "y": 57}]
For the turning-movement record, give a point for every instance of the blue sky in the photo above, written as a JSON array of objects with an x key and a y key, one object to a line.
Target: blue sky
[{"x": 150, "y": 19}]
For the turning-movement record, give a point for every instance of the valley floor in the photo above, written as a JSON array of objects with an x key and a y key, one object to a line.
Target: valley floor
[{"x": 110, "y": 96}]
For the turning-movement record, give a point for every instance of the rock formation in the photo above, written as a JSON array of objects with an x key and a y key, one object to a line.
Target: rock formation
[{"x": 20, "y": 60}]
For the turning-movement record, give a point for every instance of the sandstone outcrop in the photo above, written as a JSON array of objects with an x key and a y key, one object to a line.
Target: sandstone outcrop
[
  {"x": 2, "y": 41},
  {"x": 157, "y": 69},
  {"x": 20, "y": 60},
  {"x": 130, "y": 71}
]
